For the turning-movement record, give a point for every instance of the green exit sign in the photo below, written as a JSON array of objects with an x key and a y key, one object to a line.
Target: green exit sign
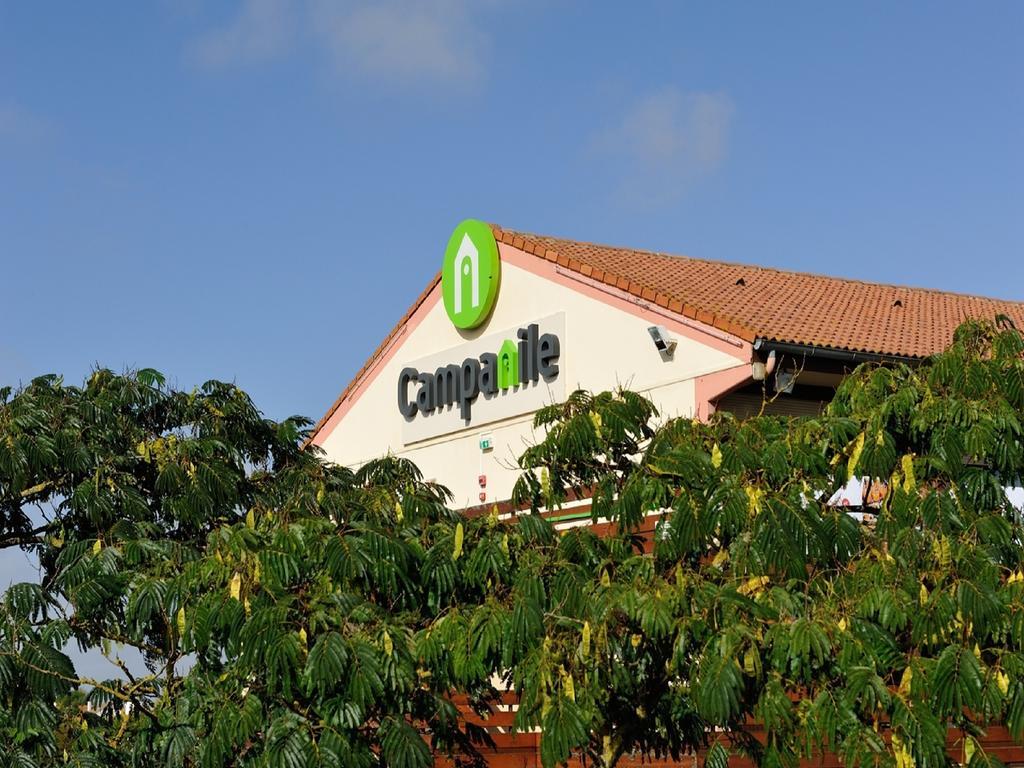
[{"x": 486, "y": 443}]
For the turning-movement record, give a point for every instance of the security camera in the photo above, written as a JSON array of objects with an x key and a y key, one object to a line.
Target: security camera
[{"x": 660, "y": 336}]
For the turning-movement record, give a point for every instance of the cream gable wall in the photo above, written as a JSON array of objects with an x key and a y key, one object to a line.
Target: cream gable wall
[{"x": 605, "y": 345}]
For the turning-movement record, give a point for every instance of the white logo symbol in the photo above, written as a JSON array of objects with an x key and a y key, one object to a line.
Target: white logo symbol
[{"x": 467, "y": 264}]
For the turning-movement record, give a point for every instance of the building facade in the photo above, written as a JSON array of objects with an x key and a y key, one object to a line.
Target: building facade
[{"x": 515, "y": 321}]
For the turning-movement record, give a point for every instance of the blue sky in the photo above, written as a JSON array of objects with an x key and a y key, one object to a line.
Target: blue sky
[{"x": 255, "y": 191}]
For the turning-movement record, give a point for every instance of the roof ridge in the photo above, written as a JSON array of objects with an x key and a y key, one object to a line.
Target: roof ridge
[
  {"x": 716, "y": 319},
  {"x": 776, "y": 270}
]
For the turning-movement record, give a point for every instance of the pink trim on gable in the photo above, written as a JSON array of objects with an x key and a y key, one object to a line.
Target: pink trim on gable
[
  {"x": 622, "y": 300},
  {"x": 410, "y": 325},
  {"x": 613, "y": 297},
  {"x": 708, "y": 389}
]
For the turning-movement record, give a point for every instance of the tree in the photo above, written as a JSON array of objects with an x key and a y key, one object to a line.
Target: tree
[
  {"x": 281, "y": 605},
  {"x": 294, "y": 613},
  {"x": 756, "y": 607}
]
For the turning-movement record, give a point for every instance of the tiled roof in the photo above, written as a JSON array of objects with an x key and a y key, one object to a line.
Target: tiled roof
[
  {"x": 757, "y": 302},
  {"x": 795, "y": 307}
]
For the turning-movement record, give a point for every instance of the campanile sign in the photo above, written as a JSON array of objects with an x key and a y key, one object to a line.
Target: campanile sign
[
  {"x": 471, "y": 274},
  {"x": 493, "y": 377}
]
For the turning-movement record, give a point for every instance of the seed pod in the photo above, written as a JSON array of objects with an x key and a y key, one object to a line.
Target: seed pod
[
  {"x": 858, "y": 449},
  {"x": 909, "y": 482},
  {"x": 569, "y": 687},
  {"x": 459, "y": 534}
]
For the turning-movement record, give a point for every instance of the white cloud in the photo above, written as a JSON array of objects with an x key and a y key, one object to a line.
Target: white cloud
[
  {"x": 261, "y": 30},
  {"x": 665, "y": 141},
  {"x": 407, "y": 40}
]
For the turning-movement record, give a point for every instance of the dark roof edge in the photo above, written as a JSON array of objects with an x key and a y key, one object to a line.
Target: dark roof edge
[{"x": 765, "y": 345}]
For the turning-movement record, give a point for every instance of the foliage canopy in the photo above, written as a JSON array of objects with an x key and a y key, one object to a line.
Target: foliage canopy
[{"x": 293, "y": 613}]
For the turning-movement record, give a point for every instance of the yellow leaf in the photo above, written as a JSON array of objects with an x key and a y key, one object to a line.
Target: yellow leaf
[
  {"x": 977, "y": 651},
  {"x": 970, "y": 747},
  {"x": 858, "y": 448},
  {"x": 303, "y": 638},
  {"x": 399, "y": 514},
  {"x": 97, "y": 546},
  {"x": 716, "y": 456},
  {"x": 940, "y": 551},
  {"x": 236, "y": 585},
  {"x": 751, "y": 661},
  {"x": 248, "y": 608},
  {"x": 256, "y": 572},
  {"x": 606, "y": 580},
  {"x": 250, "y": 518},
  {"x": 321, "y": 492},
  {"x": 754, "y": 499},
  {"x": 842, "y": 624},
  {"x": 909, "y": 482},
  {"x": 635, "y": 641},
  {"x": 595, "y": 419},
  {"x": 545, "y": 482},
  {"x": 459, "y": 534},
  {"x": 1003, "y": 681},
  {"x": 585, "y": 640},
  {"x": 906, "y": 680},
  {"x": 899, "y": 751},
  {"x": 181, "y": 620},
  {"x": 922, "y": 595},
  {"x": 720, "y": 558},
  {"x": 754, "y": 586},
  {"x": 389, "y": 645}
]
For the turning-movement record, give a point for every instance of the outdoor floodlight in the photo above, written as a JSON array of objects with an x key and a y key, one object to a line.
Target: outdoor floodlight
[{"x": 662, "y": 340}]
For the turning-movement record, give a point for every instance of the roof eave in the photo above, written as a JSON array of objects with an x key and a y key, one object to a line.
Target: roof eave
[{"x": 766, "y": 345}]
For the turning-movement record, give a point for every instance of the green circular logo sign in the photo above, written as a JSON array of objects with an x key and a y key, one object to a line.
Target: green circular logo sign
[{"x": 470, "y": 274}]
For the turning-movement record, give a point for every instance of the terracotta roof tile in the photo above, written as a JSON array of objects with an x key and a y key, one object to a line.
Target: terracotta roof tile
[{"x": 777, "y": 305}]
